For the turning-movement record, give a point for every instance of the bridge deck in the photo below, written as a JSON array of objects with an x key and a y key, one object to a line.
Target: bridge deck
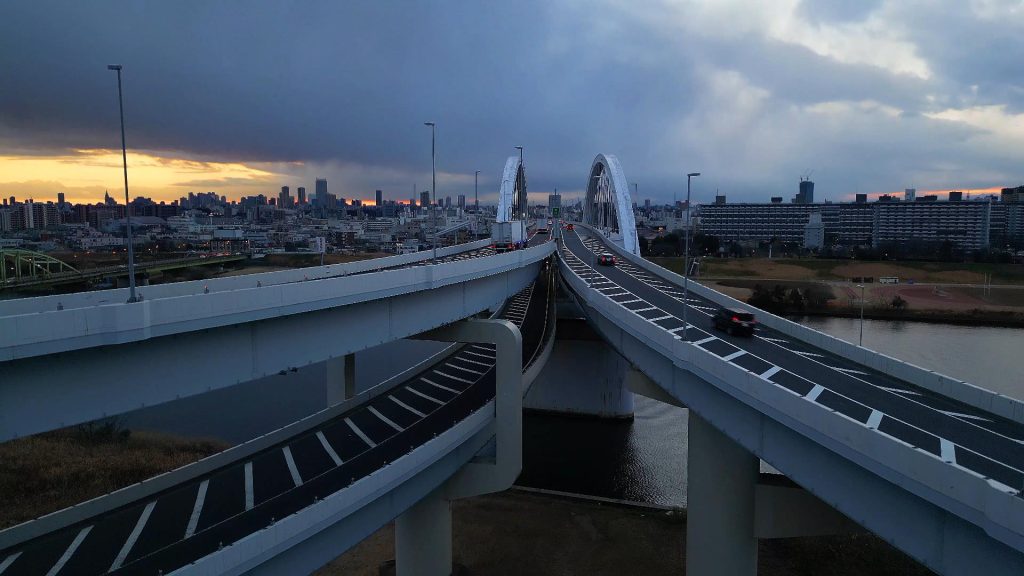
[
  {"x": 175, "y": 527},
  {"x": 961, "y": 435}
]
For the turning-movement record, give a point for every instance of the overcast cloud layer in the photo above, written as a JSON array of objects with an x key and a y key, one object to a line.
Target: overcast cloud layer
[{"x": 871, "y": 96}]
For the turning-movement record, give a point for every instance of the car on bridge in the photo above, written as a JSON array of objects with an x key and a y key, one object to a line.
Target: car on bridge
[
  {"x": 606, "y": 259},
  {"x": 735, "y": 321}
]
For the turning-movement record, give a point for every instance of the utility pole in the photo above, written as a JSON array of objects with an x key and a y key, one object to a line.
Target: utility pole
[{"x": 686, "y": 257}]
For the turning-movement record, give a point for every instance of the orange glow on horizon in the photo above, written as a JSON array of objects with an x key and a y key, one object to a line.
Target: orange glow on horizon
[{"x": 84, "y": 176}]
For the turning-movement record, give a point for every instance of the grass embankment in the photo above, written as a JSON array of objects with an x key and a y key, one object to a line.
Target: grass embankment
[
  {"x": 515, "y": 532},
  {"x": 51, "y": 471}
]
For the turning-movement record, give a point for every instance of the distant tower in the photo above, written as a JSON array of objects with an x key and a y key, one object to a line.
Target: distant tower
[
  {"x": 302, "y": 194},
  {"x": 806, "y": 194},
  {"x": 379, "y": 198},
  {"x": 321, "y": 191},
  {"x": 909, "y": 194},
  {"x": 462, "y": 201},
  {"x": 425, "y": 198},
  {"x": 284, "y": 199}
]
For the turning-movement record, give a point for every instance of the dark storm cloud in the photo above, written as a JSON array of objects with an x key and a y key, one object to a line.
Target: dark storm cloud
[{"x": 344, "y": 88}]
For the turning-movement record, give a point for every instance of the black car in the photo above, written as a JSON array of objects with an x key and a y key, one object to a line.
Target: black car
[
  {"x": 735, "y": 321},
  {"x": 606, "y": 259}
]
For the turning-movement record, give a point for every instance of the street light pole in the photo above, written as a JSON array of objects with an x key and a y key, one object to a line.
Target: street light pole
[
  {"x": 127, "y": 206},
  {"x": 686, "y": 258},
  {"x": 433, "y": 182},
  {"x": 476, "y": 193},
  {"x": 861, "y": 341},
  {"x": 523, "y": 200}
]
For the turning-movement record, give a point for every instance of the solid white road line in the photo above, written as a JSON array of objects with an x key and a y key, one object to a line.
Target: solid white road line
[
  {"x": 665, "y": 317},
  {"x": 385, "y": 419},
  {"x": 898, "y": 390},
  {"x": 632, "y": 301},
  {"x": 478, "y": 355},
  {"x": 776, "y": 340},
  {"x": 681, "y": 328},
  {"x": 446, "y": 375},
  {"x": 705, "y": 341},
  {"x": 471, "y": 371},
  {"x": 874, "y": 420},
  {"x": 734, "y": 355},
  {"x": 770, "y": 372},
  {"x": 362, "y": 436},
  {"x": 8, "y": 561},
  {"x": 69, "y": 551},
  {"x": 197, "y": 509},
  {"x": 328, "y": 448},
  {"x": 967, "y": 416},
  {"x": 407, "y": 407},
  {"x": 291, "y": 466},
  {"x": 849, "y": 370},
  {"x": 812, "y": 354},
  {"x": 947, "y": 451},
  {"x": 424, "y": 396},
  {"x": 133, "y": 536},
  {"x": 249, "y": 499},
  {"x": 646, "y": 309},
  {"x": 441, "y": 386},
  {"x": 815, "y": 392}
]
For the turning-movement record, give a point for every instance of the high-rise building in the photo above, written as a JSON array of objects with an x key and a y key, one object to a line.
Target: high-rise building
[
  {"x": 321, "y": 192},
  {"x": 284, "y": 199},
  {"x": 956, "y": 196},
  {"x": 302, "y": 194},
  {"x": 60, "y": 198},
  {"x": 462, "y": 201},
  {"x": 425, "y": 198},
  {"x": 806, "y": 193},
  {"x": 412, "y": 203},
  {"x": 555, "y": 201},
  {"x": 909, "y": 194},
  {"x": 379, "y": 199}
]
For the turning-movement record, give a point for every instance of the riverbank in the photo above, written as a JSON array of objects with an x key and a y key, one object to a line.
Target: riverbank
[{"x": 525, "y": 532}]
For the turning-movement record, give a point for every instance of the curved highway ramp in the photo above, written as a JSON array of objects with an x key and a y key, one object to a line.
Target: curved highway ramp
[{"x": 199, "y": 518}]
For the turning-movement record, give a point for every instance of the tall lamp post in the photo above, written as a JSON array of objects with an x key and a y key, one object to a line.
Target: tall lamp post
[
  {"x": 433, "y": 182},
  {"x": 476, "y": 193},
  {"x": 127, "y": 206},
  {"x": 861, "y": 341},
  {"x": 686, "y": 259},
  {"x": 523, "y": 200}
]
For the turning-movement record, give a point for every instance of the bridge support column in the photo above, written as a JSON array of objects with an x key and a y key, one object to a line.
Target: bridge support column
[
  {"x": 423, "y": 538},
  {"x": 340, "y": 379},
  {"x": 721, "y": 487},
  {"x": 583, "y": 376}
]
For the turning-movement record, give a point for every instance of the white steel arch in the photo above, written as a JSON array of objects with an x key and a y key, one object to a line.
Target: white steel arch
[
  {"x": 608, "y": 206},
  {"x": 512, "y": 194}
]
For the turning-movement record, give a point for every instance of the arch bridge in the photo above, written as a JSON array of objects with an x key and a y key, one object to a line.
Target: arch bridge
[{"x": 17, "y": 265}]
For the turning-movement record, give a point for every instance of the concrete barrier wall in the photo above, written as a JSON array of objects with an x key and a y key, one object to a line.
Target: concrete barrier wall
[
  {"x": 984, "y": 502},
  {"x": 53, "y": 331},
  {"x": 959, "y": 390},
  {"x": 120, "y": 295}
]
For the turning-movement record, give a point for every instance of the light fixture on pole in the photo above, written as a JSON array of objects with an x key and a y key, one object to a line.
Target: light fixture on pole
[
  {"x": 686, "y": 258},
  {"x": 522, "y": 200},
  {"x": 433, "y": 183},
  {"x": 476, "y": 193},
  {"x": 127, "y": 206},
  {"x": 861, "y": 341}
]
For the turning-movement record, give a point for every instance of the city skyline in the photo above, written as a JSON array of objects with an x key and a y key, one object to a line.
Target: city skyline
[{"x": 870, "y": 97}]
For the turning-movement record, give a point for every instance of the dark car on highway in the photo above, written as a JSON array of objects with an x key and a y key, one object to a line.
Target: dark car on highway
[
  {"x": 606, "y": 259},
  {"x": 735, "y": 321}
]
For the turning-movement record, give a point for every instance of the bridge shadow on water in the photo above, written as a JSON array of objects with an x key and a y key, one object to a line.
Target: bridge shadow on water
[{"x": 642, "y": 460}]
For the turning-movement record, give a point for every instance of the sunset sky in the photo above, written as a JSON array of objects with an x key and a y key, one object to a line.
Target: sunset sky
[{"x": 242, "y": 98}]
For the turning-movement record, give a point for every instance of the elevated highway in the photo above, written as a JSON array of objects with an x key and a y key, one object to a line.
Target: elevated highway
[
  {"x": 932, "y": 465},
  {"x": 370, "y": 458}
]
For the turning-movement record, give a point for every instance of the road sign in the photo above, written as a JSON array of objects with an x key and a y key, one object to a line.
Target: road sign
[{"x": 556, "y": 211}]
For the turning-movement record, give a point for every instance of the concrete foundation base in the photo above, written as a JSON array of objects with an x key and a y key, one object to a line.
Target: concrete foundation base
[{"x": 583, "y": 376}]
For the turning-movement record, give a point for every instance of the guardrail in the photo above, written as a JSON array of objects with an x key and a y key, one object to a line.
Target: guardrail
[
  {"x": 120, "y": 295},
  {"x": 40, "y": 333},
  {"x": 965, "y": 392}
]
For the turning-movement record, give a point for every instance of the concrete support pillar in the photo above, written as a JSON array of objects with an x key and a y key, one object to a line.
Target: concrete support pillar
[
  {"x": 340, "y": 379},
  {"x": 423, "y": 538},
  {"x": 720, "y": 504},
  {"x": 583, "y": 376}
]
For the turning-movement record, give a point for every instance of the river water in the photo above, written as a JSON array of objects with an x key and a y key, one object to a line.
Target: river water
[{"x": 645, "y": 460}]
